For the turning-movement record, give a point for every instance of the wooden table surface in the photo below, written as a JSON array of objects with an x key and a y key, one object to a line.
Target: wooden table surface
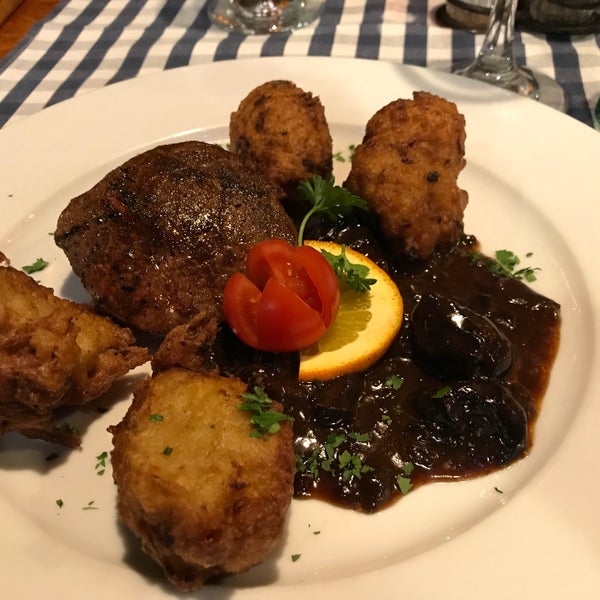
[{"x": 26, "y": 14}]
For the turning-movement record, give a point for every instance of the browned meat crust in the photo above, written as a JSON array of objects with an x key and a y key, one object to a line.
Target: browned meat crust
[
  {"x": 204, "y": 497},
  {"x": 406, "y": 169},
  {"x": 54, "y": 353},
  {"x": 188, "y": 345},
  {"x": 155, "y": 241},
  {"x": 283, "y": 131}
]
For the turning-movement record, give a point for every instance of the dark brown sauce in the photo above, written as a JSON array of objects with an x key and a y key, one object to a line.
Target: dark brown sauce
[{"x": 473, "y": 358}]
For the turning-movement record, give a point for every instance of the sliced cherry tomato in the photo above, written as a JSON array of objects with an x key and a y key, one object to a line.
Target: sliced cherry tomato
[
  {"x": 240, "y": 302},
  {"x": 286, "y": 300}
]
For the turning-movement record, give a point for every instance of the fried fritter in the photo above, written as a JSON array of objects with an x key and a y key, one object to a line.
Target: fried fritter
[
  {"x": 54, "y": 353},
  {"x": 155, "y": 241},
  {"x": 205, "y": 498},
  {"x": 283, "y": 131},
  {"x": 406, "y": 169}
]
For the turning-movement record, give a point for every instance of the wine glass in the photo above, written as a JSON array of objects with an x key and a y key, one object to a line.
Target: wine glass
[
  {"x": 495, "y": 63},
  {"x": 264, "y": 16}
]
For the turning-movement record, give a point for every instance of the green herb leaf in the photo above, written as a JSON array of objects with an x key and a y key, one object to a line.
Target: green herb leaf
[
  {"x": 295, "y": 557},
  {"x": 327, "y": 198},
  {"x": 327, "y": 457},
  {"x": 403, "y": 481},
  {"x": 69, "y": 427},
  {"x": 359, "y": 437},
  {"x": 167, "y": 451},
  {"x": 59, "y": 503},
  {"x": 334, "y": 440},
  {"x": 39, "y": 265},
  {"x": 505, "y": 265},
  {"x": 404, "y": 484},
  {"x": 386, "y": 419},
  {"x": 354, "y": 275},
  {"x": 264, "y": 420},
  {"x": 441, "y": 392},
  {"x": 101, "y": 458},
  {"x": 156, "y": 418},
  {"x": 101, "y": 464},
  {"x": 394, "y": 382},
  {"x": 408, "y": 468}
]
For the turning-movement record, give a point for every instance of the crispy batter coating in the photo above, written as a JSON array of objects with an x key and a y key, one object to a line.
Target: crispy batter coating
[
  {"x": 54, "y": 353},
  {"x": 406, "y": 169},
  {"x": 204, "y": 497},
  {"x": 283, "y": 131}
]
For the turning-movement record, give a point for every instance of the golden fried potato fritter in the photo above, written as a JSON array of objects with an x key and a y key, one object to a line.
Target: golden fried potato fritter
[
  {"x": 54, "y": 353},
  {"x": 205, "y": 498},
  {"x": 283, "y": 131},
  {"x": 406, "y": 169}
]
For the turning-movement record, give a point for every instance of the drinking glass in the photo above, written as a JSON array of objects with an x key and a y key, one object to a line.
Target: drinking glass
[
  {"x": 495, "y": 63},
  {"x": 264, "y": 16}
]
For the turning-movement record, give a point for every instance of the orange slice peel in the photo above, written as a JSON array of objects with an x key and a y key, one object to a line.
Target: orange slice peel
[{"x": 364, "y": 328}]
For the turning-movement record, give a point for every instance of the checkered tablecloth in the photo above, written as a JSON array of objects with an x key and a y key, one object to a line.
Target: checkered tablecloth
[{"x": 84, "y": 45}]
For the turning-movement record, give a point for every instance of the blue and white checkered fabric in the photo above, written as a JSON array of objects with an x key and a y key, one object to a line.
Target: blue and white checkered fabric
[{"x": 84, "y": 45}]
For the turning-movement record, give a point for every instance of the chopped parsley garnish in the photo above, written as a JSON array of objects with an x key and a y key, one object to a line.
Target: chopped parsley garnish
[
  {"x": 101, "y": 464},
  {"x": 39, "y": 265},
  {"x": 328, "y": 457},
  {"x": 359, "y": 437},
  {"x": 69, "y": 427},
  {"x": 394, "y": 382},
  {"x": 327, "y": 198},
  {"x": 441, "y": 392},
  {"x": 156, "y": 418},
  {"x": 354, "y": 275},
  {"x": 404, "y": 484},
  {"x": 167, "y": 451},
  {"x": 59, "y": 503},
  {"x": 403, "y": 481},
  {"x": 504, "y": 264},
  {"x": 89, "y": 506},
  {"x": 263, "y": 419},
  {"x": 295, "y": 557},
  {"x": 351, "y": 466},
  {"x": 386, "y": 419}
]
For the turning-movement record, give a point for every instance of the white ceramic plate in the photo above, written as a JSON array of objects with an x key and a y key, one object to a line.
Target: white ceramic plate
[{"x": 530, "y": 531}]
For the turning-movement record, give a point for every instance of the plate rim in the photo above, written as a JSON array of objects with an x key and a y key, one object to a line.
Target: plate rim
[{"x": 413, "y": 569}]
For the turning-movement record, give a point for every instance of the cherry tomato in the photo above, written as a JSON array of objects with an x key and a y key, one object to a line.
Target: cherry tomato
[{"x": 286, "y": 300}]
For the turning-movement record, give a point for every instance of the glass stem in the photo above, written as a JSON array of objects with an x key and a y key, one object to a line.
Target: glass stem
[
  {"x": 496, "y": 50},
  {"x": 495, "y": 63}
]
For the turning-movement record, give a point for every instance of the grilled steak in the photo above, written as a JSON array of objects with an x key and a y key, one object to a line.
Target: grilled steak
[{"x": 155, "y": 241}]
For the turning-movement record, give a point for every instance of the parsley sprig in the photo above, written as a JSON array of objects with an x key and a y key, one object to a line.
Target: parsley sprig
[
  {"x": 504, "y": 264},
  {"x": 264, "y": 420},
  {"x": 326, "y": 198},
  {"x": 38, "y": 265},
  {"x": 353, "y": 274}
]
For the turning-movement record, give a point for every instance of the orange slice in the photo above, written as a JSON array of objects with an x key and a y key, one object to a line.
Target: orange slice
[{"x": 364, "y": 328}]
